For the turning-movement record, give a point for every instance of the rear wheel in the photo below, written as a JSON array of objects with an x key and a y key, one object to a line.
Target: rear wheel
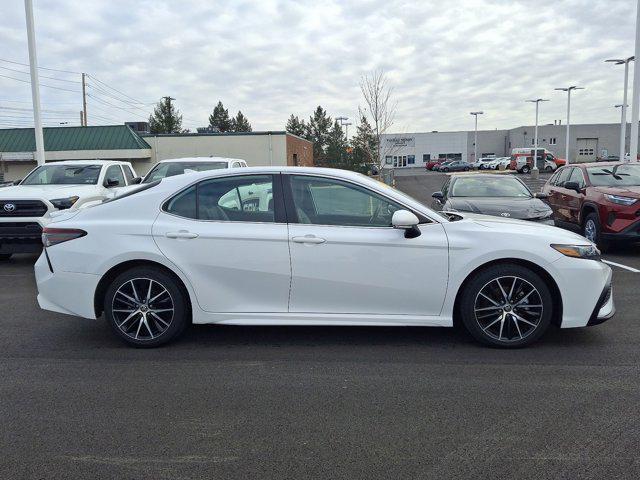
[
  {"x": 525, "y": 169},
  {"x": 5, "y": 256},
  {"x": 146, "y": 307},
  {"x": 506, "y": 306}
]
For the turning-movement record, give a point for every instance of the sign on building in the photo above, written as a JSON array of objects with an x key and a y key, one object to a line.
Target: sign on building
[{"x": 400, "y": 142}]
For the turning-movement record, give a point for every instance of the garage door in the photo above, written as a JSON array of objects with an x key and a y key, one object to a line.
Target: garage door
[{"x": 587, "y": 149}]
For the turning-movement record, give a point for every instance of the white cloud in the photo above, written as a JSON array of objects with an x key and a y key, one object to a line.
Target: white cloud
[{"x": 272, "y": 58}]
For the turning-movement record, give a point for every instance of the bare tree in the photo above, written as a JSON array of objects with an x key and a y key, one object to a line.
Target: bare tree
[{"x": 380, "y": 109}]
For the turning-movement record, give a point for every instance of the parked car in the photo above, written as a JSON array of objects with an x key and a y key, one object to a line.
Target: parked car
[
  {"x": 481, "y": 163},
  {"x": 303, "y": 246},
  {"x": 498, "y": 195},
  {"x": 522, "y": 160},
  {"x": 455, "y": 166},
  {"x": 432, "y": 163},
  {"x": 178, "y": 166},
  {"x": 601, "y": 200},
  {"x": 28, "y": 206},
  {"x": 439, "y": 163},
  {"x": 496, "y": 162}
]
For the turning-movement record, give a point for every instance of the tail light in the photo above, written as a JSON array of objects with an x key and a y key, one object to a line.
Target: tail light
[{"x": 54, "y": 236}]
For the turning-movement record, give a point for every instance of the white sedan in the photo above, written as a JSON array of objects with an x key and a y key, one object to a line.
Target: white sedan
[{"x": 308, "y": 246}]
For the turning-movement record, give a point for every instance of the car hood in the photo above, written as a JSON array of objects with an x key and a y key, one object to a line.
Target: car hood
[
  {"x": 518, "y": 208},
  {"x": 630, "y": 191},
  {"x": 508, "y": 225},
  {"x": 47, "y": 192}
]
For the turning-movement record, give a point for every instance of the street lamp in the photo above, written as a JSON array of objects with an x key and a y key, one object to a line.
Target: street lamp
[
  {"x": 568, "y": 90},
  {"x": 623, "y": 105},
  {"x": 475, "y": 138},
  {"x": 635, "y": 108},
  {"x": 344, "y": 123},
  {"x": 535, "y": 142}
]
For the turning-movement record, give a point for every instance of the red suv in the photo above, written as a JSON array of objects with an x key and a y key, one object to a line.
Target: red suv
[{"x": 601, "y": 200}]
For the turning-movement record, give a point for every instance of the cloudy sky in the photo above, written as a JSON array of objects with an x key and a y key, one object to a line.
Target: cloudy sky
[{"x": 271, "y": 58}]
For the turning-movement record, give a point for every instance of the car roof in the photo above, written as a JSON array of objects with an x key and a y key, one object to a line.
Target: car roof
[
  {"x": 595, "y": 164},
  {"x": 202, "y": 159},
  {"x": 88, "y": 162}
]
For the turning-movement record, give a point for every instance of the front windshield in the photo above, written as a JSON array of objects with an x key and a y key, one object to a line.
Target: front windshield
[
  {"x": 170, "y": 169},
  {"x": 502, "y": 187},
  {"x": 622, "y": 175},
  {"x": 63, "y": 175}
]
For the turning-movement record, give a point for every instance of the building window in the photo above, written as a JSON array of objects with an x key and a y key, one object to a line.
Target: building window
[
  {"x": 426, "y": 157},
  {"x": 411, "y": 159},
  {"x": 388, "y": 160},
  {"x": 553, "y": 141}
]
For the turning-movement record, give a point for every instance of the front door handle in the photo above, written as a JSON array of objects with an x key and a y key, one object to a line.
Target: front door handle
[
  {"x": 310, "y": 239},
  {"x": 181, "y": 234}
]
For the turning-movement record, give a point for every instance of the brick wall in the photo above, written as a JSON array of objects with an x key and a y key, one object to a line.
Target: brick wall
[{"x": 299, "y": 152}]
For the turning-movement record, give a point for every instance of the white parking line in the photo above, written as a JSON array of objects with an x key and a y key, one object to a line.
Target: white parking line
[{"x": 619, "y": 265}]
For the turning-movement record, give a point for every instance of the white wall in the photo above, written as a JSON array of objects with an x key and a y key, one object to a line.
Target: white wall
[{"x": 433, "y": 143}]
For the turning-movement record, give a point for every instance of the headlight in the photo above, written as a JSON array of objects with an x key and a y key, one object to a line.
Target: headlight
[
  {"x": 590, "y": 252},
  {"x": 64, "y": 203},
  {"x": 621, "y": 200}
]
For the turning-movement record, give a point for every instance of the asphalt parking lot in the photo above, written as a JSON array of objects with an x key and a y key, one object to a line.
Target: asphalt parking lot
[{"x": 277, "y": 402}]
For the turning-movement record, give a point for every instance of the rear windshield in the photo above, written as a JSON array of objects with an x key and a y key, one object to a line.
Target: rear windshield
[
  {"x": 170, "y": 169},
  {"x": 64, "y": 175},
  {"x": 622, "y": 175}
]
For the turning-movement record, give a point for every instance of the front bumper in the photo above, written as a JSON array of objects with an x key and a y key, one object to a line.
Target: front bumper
[
  {"x": 21, "y": 235},
  {"x": 604, "y": 309}
]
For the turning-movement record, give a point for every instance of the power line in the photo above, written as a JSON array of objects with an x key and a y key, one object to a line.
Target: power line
[
  {"x": 112, "y": 105},
  {"x": 42, "y": 84},
  {"x": 42, "y": 68},
  {"x": 118, "y": 91},
  {"x": 41, "y": 76}
]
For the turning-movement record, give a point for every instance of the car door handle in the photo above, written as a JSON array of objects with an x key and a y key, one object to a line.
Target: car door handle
[
  {"x": 181, "y": 234},
  {"x": 310, "y": 239}
]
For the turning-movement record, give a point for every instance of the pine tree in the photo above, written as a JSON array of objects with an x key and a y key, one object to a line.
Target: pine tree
[
  {"x": 240, "y": 123},
  {"x": 364, "y": 143},
  {"x": 166, "y": 118},
  {"x": 219, "y": 119},
  {"x": 296, "y": 126},
  {"x": 336, "y": 153},
  {"x": 318, "y": 131}
]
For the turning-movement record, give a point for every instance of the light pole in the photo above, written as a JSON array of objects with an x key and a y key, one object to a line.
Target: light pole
[
  {"x": 568, "y": 90},
  {"x": 623, "y": 105},
  {"x": 635, "y": 108},
  {"x": 35, "y": 82},
  {"x": 535, "y": 142},
  {"x": 343, "y": 123},
  {"x": 475, "y": 138}
]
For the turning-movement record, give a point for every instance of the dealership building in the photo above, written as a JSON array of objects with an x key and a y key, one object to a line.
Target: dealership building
[
  {"x": 121, "y": 142},
  {"x": 587, "y": 142}
]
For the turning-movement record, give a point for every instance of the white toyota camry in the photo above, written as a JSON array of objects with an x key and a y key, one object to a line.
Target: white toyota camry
[{"x": 310, "y": 246}]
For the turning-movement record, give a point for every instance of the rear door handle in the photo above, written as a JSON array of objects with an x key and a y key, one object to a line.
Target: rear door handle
[
  {"x": 181, "y": 234},
  {"x": 310, "y": 239}
]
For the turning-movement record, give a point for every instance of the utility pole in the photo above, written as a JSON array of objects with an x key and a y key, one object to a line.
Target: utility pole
[
  {"x": 35, "y": 82},
  {"x": 535, "y": 142},
  {"x": 83, "y": 121},
  {"x": 475, "y": 138},
  {"x": 635, "y": 109},
  {"x": 568, "y": 90}
]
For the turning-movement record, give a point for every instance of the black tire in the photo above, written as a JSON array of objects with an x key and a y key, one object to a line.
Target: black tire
[
  {"x": 445, "y": 169},
  {"x": 466, "y": 169},
  {"x": 525, "y": 169},
  {"x": 548, "y": 168},
  {"x": 5, "y": 256},
  {"x": 516, "y": 333},
  {"x": 591, "y": 230},
  {"x": 117, "y": 309}
]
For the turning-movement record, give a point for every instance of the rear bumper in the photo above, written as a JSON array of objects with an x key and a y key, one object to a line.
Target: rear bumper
[{"x": 65, "y": 292}]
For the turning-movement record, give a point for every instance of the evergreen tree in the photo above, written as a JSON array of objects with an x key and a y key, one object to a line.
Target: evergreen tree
[
  {"x": 336, "y": 152},
  {"x": 240, "y": 123},
  {"x": 219, "y": 119},
  {"x": 318, "y": 132},
  {"x": 166, "y": 118},
  {"x": 296, "y": 126},
  {"x": 364, "y": 143}
]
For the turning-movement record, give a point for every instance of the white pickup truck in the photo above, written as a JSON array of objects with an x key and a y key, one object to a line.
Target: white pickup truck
[{"x": 29, "y": 205}]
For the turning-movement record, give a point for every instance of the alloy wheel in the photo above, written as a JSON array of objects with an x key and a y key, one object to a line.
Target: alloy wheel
[
  {"x": 143, "y": 308},
  {"x": 508, "y": 309},
  {"x": 590, "y": 230}
]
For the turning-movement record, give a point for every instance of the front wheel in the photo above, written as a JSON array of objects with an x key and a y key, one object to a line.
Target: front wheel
[
  {"x": 592, "y": 231},
  {"x": 5, "y": 256},
  {"x": 548, "y": 168},
  {"x": 146, "y": 307},
  {"x": 525, "y": 169},
  {"x": 506, "y": 306},
  {"x": 445, "y": 169}
]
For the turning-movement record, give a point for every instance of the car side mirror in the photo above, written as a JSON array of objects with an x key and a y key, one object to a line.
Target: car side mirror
[
  {"x": 407, "y": 221},
  {"x": 572, "y": 186},
  {"x": 438, "y": 196},
  {"x": 112, "y": 182},
  {"x": 541, "y": 195},
  {"x": 17, "y": 182},
  {"x": 136, "y": 180}
]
